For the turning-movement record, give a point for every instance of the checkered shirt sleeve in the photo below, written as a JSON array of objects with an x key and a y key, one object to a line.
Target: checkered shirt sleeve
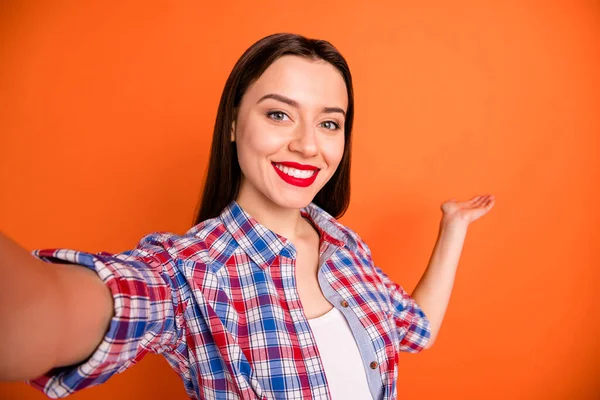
[
  {"x": 413, "y": 325},
  {"x": 147, "y": 312}
]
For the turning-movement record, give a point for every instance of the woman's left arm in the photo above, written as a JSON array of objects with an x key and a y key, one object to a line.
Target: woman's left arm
[{"x": 432, "y": 293}]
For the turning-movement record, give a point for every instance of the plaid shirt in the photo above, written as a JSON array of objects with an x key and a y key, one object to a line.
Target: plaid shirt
[{"x": 220, "y": 303}]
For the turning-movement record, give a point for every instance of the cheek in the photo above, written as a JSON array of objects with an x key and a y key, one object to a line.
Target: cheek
[
  {"x": 254, "y": 144},
  {"x": 333, "y": 151}
]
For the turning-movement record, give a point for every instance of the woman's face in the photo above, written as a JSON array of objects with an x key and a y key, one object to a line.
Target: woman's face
[{"x": 289, "y": 132}]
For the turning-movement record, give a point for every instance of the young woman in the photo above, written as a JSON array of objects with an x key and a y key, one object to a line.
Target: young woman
[{"x": 268, "y": 296}]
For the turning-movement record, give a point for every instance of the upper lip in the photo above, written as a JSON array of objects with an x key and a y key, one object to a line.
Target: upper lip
[{"x": 292, "y": 164}]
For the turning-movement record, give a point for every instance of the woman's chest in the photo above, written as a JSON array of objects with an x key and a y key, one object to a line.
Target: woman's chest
[
  {"x": 306, "y": 268},
  {"x": 250, "y": 299},
  {"x": 263, "y": 312}
]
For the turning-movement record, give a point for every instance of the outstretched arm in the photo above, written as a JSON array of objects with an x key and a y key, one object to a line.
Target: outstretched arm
[
  {"x": 432, "y": 293},
  {"x": 51, "y": 314}
]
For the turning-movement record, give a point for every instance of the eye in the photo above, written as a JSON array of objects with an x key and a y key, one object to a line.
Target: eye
[
  {"x": 277, "y": 115},
  {"x": 330, "y": 125}
]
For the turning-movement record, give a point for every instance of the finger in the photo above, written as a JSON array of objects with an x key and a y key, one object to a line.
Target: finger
[
  {"x": 484, "y": 200},
  {"x": 480, "y": 199}
]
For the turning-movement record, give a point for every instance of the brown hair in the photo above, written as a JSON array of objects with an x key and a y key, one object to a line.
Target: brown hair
[{"x": 224, "y": 174}]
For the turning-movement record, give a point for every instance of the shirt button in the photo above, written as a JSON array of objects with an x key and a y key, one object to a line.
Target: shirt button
[
  {"x": 374, "y": 364},
  {"x": 344, "y": 303}
]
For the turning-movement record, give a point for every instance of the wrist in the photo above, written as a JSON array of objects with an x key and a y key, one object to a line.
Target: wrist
[{"x": 453, "y": 223}]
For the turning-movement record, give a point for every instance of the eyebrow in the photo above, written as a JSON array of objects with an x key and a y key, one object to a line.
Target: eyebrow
[{"x": 295, "y": 104}]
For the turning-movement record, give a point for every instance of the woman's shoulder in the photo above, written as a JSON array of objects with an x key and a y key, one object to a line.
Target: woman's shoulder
[
  {"x": 331, "y": 224},
  {"x": 207, "y": 230},
  {"x": 203, "y": 243},
  {"x": 359, "y": 244}
]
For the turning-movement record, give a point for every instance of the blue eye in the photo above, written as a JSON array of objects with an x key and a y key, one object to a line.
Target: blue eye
[
  {"x": 330, "y": 125},
  {"x": 277, "y": 115}
]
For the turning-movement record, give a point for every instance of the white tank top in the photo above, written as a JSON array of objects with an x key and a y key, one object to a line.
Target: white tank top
[{"x": 343, "y": 365}]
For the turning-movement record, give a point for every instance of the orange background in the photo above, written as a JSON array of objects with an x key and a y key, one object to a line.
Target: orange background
[{"x": 106, "y": 115}]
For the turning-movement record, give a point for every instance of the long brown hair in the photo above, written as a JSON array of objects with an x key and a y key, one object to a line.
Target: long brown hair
[{"x": 224, "y": 174}]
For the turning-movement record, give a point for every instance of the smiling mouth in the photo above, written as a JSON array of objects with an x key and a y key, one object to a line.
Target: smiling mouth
[
  {"x": 294, "y": 176},
  {"x": 294, "y": 172}
]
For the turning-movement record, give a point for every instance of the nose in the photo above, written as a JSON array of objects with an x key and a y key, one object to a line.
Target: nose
[{"x": 304, "y": 140}]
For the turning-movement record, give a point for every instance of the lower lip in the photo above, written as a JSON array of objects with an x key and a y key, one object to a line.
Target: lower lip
[{"x": 302, "y": 182}]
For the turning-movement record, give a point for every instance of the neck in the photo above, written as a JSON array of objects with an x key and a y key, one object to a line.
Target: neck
[{"x": 287, "y": 222}]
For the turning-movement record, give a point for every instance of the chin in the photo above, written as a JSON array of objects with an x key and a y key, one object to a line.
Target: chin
[{"x": 290, "y": 201}]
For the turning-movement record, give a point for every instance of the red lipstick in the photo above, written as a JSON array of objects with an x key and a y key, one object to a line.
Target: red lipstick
[
  {"x": 303, "y": 167},
  {"x": 301, "y": 182}
]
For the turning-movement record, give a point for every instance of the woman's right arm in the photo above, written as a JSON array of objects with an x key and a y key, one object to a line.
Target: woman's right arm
[{"x": 51, "y": 315}]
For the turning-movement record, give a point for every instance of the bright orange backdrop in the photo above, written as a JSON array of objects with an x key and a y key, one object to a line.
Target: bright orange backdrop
[{"x": 106, "y": 114}]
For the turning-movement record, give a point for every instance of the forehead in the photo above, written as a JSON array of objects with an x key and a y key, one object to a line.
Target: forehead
[{"x": 312, "y": 83}]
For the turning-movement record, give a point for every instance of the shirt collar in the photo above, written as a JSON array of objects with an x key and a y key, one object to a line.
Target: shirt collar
[{"x": 263, "y": 245}]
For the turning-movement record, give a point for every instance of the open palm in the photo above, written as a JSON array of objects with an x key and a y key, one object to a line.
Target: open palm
[{"x": 467, "y": 211}]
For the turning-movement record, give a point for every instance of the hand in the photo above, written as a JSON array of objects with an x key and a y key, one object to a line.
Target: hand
[{"x": 467, "y": 211}]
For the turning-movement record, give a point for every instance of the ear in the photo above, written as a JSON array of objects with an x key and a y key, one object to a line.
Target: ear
[{"x": 233, "y": 131}]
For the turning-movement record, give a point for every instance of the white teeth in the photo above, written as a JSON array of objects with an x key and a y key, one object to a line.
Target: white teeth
[{"x": 296, "y": 173}]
